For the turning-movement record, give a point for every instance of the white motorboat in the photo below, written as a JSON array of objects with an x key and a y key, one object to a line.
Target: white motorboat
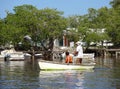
[{"x": 13, "y": 55}]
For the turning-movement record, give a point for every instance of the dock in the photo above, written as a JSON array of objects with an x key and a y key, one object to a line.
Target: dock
[{"x": 112, "y": 51}]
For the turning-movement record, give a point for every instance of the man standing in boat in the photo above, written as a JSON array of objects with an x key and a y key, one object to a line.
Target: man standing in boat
[{"x": 78, "y": 53}]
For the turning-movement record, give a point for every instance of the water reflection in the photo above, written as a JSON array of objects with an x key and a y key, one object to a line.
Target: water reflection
[
  {"x": 62, "y": 79},
  {"x": 77, "y": 80},
  {"x": 27, "y": 75},
  {"x": 108, "y": 62}
]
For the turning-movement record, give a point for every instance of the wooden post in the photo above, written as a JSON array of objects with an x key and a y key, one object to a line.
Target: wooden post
[
  {"x": 104, "y": 53},
  {"x": 116, "y": 54},
  {"x": 33, "y": 54}
]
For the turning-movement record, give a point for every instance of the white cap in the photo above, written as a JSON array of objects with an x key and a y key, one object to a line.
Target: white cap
[{"x": 78, "y": 43}]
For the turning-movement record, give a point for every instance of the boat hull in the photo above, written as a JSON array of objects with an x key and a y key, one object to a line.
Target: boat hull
[{"x": 56, "y": 66}]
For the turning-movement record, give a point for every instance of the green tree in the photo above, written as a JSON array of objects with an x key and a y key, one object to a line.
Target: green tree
[
  {"x": 43, "y": 26},
  {"x": 51, "y": 26},
  {"x": 1, "y": 33},
  {"x": 114, "y": 29},
  {"x": 72, "y": 28},
  {"x": 115, "y": 3}
]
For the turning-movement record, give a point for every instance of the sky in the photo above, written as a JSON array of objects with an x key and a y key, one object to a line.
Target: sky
[{"x": 69, "y": 7}]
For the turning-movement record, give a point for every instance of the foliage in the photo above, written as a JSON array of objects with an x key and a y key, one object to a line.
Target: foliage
[
  {"x": 90, "y": 26},
  {"x": 44, "y": 25},
  {"x": 115, "y": 3},
  {"x": 41, "y": 25}
]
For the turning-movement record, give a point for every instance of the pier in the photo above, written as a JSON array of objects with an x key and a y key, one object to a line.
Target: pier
[{"x": 112, "y": 51}]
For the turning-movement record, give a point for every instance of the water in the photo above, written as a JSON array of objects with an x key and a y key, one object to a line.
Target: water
[{"x": 27, "y": 75}]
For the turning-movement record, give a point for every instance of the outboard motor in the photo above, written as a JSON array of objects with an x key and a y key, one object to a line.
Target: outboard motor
[{"x": 6, "y": 58}]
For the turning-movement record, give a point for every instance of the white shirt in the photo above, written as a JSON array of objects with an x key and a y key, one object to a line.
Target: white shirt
[{"x": 80, "y": 51}]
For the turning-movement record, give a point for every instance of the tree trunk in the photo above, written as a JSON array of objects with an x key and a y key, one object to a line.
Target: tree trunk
[
  {"x": 48, "y": 55},
  {"x": 48, "y": 51}
]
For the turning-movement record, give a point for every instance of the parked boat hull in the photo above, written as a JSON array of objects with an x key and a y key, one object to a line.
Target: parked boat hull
[{"x": 8, "y": 55}]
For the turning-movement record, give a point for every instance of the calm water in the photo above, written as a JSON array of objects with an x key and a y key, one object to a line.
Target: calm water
[{"x": 27, "y": 75}]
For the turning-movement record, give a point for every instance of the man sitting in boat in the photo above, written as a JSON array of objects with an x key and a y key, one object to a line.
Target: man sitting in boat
[{"x": 68, "y": 58}]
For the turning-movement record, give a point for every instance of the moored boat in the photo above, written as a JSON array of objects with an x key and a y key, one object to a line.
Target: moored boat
[
  {"x": 45, "y": 65},
  {"x": 12, "y": 55}
]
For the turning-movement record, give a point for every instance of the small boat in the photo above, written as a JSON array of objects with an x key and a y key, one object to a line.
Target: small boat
[
  {"x": 16, "y": 56},
  {"x": 12, "y": 55},
  {"x": 45, "y": 65}
]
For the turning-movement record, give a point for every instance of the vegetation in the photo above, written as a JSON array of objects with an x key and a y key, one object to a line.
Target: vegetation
[
  {"x": 45, "y": 25},
  {"x": 91, "y": 25}
]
